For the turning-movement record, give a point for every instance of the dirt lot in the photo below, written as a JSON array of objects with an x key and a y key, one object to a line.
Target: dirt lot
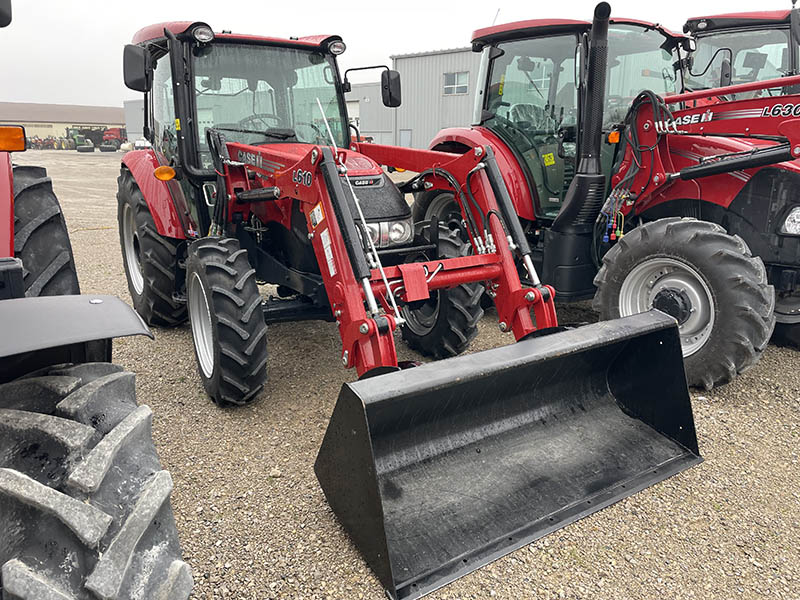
[{"x": 254, "y": 523}]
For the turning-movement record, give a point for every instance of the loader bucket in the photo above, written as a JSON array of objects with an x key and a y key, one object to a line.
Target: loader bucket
[{"x": 438, "y": 470}]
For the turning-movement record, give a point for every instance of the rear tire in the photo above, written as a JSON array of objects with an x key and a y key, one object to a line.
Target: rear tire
[
  {"x": 150, "y": 259},
  {"x": 228, "y": 328},
  {"x": 444, "y": 325},
  {"x": 440, "y": 204},
  {"x": 84, "y": 503},
  {"x": 716, "y": 287},
  {"x": 41, "y": 240}
]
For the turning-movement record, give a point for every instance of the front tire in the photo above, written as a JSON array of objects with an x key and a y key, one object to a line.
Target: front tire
[
  {"x": 41, "y": 240},
  {"x": 150, "y": 259},
  {"x": 446, "y": 323},
  {"x": 708, "y": 280},
  {"x": 228, "y": 328},
  {"x": 84, "y": 502}
]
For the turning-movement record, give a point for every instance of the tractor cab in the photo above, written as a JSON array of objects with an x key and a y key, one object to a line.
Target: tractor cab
[
  {"x": 534, "y": 74},
  {"x": 246, "y": 90},
  {"x": 743, "y": 48}
]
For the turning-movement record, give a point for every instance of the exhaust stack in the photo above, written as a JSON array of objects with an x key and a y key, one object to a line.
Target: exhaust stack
[{"x": 568, "y": 265}]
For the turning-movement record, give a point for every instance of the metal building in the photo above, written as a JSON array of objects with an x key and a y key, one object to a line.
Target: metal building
[
  {"x": 52, "y": 120},
  {"x": 438, "y": 92},
  {"x": 134, "y": 118}
]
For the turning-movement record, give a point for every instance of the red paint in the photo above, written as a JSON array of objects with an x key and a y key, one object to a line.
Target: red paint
[
  {"x": 6, "y": 206},
  {"x": 778, "y": 16},
  {"x": 534, "y": 27},
  {"x": 141, "y": 164},
  {"x": 156, "y": 31},
  {"x": 517, "y": 185},
  {"x": 277, "y": 165}
]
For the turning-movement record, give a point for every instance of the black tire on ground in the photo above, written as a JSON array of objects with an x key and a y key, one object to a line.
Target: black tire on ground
[
  {"x": 84, "y": 502},
  {"x": 85, "y": 148},
  {"x": 41, "y": 240},
  {"x": 444, "y": 325},
  {"x": 108, "y": 148},
  {"x": 150, "y": 259},
  {"x": 439, "y": 203},
  {"x": 740, "y": 300},
  {"x": 228, "y": 328}
]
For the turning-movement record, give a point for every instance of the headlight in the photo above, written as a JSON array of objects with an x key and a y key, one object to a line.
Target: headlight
[
  {"x": 400, "y": 232},
  {"x": 792, "y": 223},
  {"x": 203, "y": 34},
  {"x": 336, "y": 47},
  {"x": 374, "y": 230}
]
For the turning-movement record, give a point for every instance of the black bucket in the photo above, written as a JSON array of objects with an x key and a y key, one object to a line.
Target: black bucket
[{"x": 438, "y": 470}]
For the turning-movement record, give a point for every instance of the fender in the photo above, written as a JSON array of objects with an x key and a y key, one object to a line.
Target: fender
[
  {"x": 453, "y": 138},
  {"x": 162, "y": 197}
]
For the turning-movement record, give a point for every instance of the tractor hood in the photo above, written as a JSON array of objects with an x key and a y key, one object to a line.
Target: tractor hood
[{"x": 378, "y": 195}]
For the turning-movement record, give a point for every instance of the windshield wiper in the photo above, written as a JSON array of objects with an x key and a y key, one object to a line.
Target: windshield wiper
[{"x": 280, "y": 134}]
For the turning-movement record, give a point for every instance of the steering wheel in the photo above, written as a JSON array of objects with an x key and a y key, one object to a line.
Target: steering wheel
[
  {"x": 258, "y": 121},
  {"x": 317, "y": 131}
]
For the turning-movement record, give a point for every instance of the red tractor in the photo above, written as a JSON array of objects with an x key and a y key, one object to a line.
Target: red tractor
[
  {"x": 252, "y": 179},
  {"x": 534, "y": 108},
  {"x": 84, "y": 503},
  {"x": 742, "y": 48},
  {"x": 113, "y": 138}
]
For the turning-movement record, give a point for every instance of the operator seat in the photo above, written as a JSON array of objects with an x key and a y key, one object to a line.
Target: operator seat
[{"x": 540, "y": 121}]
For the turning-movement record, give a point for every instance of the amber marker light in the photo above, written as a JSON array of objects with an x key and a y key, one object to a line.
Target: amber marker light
[
  {"x": 613, "y": 137},
  {"x": 12, "y": 138},
  {"x": 164, "y": 173}
]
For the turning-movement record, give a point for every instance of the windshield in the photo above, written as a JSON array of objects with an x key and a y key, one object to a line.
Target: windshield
[
  {"x": 266, "y": 95},
  {"x": 532, "y": 97},
  {"x": 751, "y": 56}
]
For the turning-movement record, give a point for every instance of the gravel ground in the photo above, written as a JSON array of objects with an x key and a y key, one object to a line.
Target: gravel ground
[{"x": 254, "y": 523}]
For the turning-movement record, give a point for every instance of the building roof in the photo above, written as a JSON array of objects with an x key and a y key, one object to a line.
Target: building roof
[
  {"x": 26, "y": 112},
  {"x": 431, "y": 52}
]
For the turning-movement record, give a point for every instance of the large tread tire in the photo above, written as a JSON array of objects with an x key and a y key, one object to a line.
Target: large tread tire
[
  {"x": 41, "y": 240},
  {"x": 448, "y": 330},
  {"x": 157, "y": 259},
  {"x": 743, "y": 300},
  {"x": 439, "y": 203},
  {"x": 232, "y": 306},
  {"x": 84, "y": 503}
]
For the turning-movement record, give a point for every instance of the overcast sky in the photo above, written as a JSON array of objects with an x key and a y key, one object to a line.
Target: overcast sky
[{"x": 70, "y": 51}]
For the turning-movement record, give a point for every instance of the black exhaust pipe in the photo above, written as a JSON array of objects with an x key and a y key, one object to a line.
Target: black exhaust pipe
[{"x": 568, "y": 264}]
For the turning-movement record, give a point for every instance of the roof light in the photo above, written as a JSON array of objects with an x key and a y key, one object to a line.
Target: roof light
[
  {"x": 702, "y": 25},
  {"x": 203, "y": 34},
  {"x": 337, "y": 47}
]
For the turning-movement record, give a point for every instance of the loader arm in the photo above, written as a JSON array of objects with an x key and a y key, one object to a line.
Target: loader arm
[
  {"x": 771, "y": 124},
  {"x": 255, "y": 185}
]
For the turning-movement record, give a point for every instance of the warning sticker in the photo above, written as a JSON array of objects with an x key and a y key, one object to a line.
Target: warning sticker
[
  {"x": 548, "y": 159},
  {"x": 325, "y": 236},
  {"x": 317, "y": 215}
]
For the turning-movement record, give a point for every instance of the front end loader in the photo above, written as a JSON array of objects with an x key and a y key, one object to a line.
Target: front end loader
[{"x": 433, "y": 470}]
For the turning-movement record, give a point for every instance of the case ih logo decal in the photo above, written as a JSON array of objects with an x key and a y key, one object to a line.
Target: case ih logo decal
[
  {"x": 363, "y": 182},
  {"x": 782, "y": 110},
  {"x": 671, "y": 126},
  {"x": 251, "y": 159}
]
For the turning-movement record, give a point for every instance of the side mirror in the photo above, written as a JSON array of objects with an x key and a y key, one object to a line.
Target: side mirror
[
  {"x": 390, "y": 88},
  {"x": 725, "y": 73},
  {"x": 5, "y": 12},
  {"x": 136, "y": 68}
]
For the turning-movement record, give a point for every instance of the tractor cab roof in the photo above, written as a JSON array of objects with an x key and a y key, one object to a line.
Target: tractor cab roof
[
  {"x": 543, "y": 27},
  {"x": 732, "y": 20},
  {"x": 155, "y": 32}
]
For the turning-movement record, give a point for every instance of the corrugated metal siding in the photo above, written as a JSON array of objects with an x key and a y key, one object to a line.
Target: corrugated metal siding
[
  {"x": 375, "y": 119},
  {"x": 425, "y": 109}
]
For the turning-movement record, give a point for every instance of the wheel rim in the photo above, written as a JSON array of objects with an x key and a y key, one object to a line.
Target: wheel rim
[
  {"x": 446, "y": 208},
  {"x": 675, "y": 288},
  {"x": 202, "y": 329},
  {"x": 787, "y": 308},
  {"x": 422, "y": 319},
  {"x": 130, "y": 239}
]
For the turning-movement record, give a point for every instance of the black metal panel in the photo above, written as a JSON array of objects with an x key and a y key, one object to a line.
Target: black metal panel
[
  {"x": 453, "y": 464},
  {"x": 30, "y": 324},
  {"x": 11, "y": 285}
]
